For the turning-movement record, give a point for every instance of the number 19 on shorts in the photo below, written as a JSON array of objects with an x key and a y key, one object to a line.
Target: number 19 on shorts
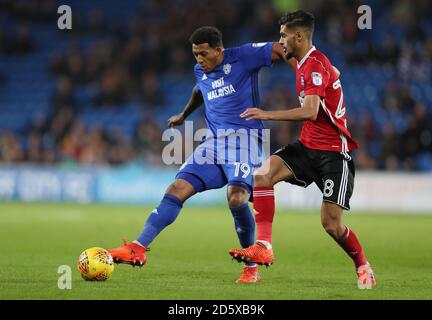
[{"x": 242, "y": 169}]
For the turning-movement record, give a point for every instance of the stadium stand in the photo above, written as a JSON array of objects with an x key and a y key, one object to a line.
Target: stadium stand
[{"x": 101, "y": 92}]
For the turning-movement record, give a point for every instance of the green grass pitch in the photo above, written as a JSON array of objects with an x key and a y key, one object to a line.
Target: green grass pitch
[{"x": 190, "y": 258}]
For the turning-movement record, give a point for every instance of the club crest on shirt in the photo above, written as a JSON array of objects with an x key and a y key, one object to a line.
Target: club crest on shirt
[
  {"x": 227, "y": 68},
  {"x": 316, "y": 78},
  {"x": 302, "y": 80}
]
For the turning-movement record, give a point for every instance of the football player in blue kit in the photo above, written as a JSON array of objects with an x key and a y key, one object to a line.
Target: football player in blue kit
[{"x": 227, "y": 84}]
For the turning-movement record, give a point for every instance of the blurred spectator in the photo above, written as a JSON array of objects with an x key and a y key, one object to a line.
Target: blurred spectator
[
  {"x": 363, "y": 160},
  {"x": 96, "y": 21},
  {"x": 113, "y": 87},
  {"x": 93, "y": 147},
  {"x": 148, "y": 143},
  {"x": 417, "y": 136},
  {"x": 33, "y": 152},
  {"x": 150, "y": 93},
  {"x": 133, "y": 55},
  {"x": 179, "y": 58},
  {"x": 63, "y": 96},
  {"x": 390, "y": 148},
  {"x": 423, "y": 127},
  {"x": 61, "y": 123},
  {"x": 17, "y": 41},
  {"x": 22, "y": 42},
  {"x": 57, "y": 64},
  {"x": 397, "y": 97},
  {"x": 120, "y": 149},
  {"x": 10, "y": 148},
  {"x": 36, "y": 10},
  {"x": 391, "y": 51},
  {"x": 2, "y": 79},
  {"x": 70, "y": 145},
  {"x": 3, "y": 44},
  {"x": 75, "y": 66},
  {"x": 113, "y": 62}
]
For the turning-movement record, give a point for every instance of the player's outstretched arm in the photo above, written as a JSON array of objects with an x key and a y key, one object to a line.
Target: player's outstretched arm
[
  {"x": 309, "y": 111},
  {"x": 279, "y": 54},
  {"x": 194, "y": 102}
]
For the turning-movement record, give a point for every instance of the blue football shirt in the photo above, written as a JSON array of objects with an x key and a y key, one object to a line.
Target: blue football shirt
[{"x": 232, "y": 86}]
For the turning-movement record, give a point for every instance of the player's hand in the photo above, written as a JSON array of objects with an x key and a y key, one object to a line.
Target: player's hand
[
  {"x": 176, "y": 120},
  {"x": 255, "y": 113}
]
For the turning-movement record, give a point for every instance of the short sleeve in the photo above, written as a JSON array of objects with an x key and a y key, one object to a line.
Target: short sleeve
[
  {"x": 256, "y": 55},
  {"x": 316, "y": 78}
]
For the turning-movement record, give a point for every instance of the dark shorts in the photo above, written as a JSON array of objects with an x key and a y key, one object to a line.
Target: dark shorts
[{"x": 333, "y": 172}]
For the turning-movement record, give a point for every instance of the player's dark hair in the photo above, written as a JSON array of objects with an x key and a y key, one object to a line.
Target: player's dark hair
[
  {"x": 207, "y": 34},
  {"x": 298, "y": 19}
]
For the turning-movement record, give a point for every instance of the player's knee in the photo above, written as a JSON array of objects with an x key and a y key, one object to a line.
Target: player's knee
[
  {"x": 237, "y": 199},
  {"x": 330, "y": 226},
  {"x": 333, "y": 227},
  {"x": 176, "y": 186},
  {"x": 181, "y": 189},
  {"x": 262, "y": 180}
]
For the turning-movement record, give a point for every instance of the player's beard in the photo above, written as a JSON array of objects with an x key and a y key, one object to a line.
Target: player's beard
[
  {"x": 289, "y": 55},
  {"x": 290, "y": 45}
]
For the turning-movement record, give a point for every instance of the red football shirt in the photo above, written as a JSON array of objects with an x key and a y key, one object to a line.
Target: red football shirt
[{"x": 315, "y": 76}]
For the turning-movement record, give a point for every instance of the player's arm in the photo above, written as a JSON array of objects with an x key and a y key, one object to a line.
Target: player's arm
[
  {"x": 279, "y": 54},
  {"x": 309, "y": 111},
  {"x": 195, "y": 101}
]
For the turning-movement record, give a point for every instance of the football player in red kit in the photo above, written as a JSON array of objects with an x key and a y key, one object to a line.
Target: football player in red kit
[{"x": 322, "y": 154}]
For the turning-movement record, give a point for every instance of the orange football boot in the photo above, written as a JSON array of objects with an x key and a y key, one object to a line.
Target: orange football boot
[
  {"x": 366, "y": 277},
  {"x": 249, "y": 275},
  {"x": 130, "y": 253},
  {"x": 256, "y": 253}
]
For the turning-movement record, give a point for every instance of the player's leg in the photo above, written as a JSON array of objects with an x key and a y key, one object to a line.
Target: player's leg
[
  {"x": 287, "y": 164},
  {"x": 273, "y": 171},
  {"x": 238, "y": 163},
  {"x": 335, "y": 178},
  {"x": 244, "y": 223},
  {"x": 331, "y": 219},
  {"x": 193, "y": 177},
  {"x": 161, "y": 217},
  {"x": 167, "y": 210}
]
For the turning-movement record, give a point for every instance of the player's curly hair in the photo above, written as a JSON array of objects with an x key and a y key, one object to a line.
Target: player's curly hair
[
  {"x": 207, "y": 34},
  {"x": 298, "y": 19}
]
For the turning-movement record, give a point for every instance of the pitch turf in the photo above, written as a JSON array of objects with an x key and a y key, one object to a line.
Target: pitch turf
[{"x": 190, "y": 259}]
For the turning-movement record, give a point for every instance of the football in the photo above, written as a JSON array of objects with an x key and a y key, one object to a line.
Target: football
[{"x": 95, "y": 264}]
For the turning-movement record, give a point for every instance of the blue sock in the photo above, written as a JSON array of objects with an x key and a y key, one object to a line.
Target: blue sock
[
  {"x": 160, "y": 218},
  {"x": 245, "y": 226}
]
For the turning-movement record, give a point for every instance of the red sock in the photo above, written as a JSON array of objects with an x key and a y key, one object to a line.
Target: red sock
[
  {"x": 264, "y": 208},
  {"x": 352, "y": 246}
]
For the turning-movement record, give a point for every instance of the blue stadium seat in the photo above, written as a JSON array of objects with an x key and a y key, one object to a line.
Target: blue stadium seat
[{"x": 424, "y": 161}]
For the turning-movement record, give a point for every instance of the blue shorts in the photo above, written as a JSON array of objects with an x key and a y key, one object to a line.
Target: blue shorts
[{"x": 227, "y": 160}]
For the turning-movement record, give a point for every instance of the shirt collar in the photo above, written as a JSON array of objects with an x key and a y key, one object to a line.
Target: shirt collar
[{"x": 306, "y": 56}]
